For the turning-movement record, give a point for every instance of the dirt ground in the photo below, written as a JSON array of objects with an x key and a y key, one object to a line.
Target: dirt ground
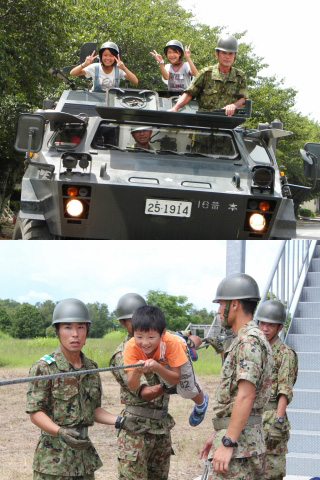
[{"x": 18, "y": 436}]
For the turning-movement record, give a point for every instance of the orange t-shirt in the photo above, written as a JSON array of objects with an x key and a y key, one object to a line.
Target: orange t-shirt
[{"x": 171, "y": 351}]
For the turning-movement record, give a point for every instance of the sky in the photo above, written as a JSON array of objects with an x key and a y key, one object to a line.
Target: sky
[
  {"x": 284, "y": 32},
  {"x": 103, "y": 271}
]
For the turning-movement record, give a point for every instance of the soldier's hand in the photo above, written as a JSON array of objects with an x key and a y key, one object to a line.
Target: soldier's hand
[
  {"x": 71, "y": 437},
  {"x": 274, "y": 436},
  {"x": 134, "y": 424},
  {"x": 230, "y": 109},
  {"x": 215, "y": 343}
]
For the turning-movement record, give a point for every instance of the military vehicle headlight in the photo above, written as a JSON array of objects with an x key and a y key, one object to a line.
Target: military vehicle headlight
[
  {"x": 74, "y": 208},
  {"x": 257, "y": 222}
]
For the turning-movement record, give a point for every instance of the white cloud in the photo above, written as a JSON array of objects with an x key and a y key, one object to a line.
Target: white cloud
[{"x": 33, "y": 297}]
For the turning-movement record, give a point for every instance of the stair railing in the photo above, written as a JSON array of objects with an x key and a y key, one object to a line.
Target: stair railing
[{"x": 288, "y": 274}]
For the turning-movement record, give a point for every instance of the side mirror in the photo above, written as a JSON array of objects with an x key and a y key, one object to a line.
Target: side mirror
[
  {"x": 30, "y": 132},
  {"x": 311, "y": 158}
]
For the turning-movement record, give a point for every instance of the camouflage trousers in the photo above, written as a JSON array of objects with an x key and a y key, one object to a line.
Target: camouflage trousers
[
  {"x": 275, "y": 466},
  {"x": 47, "y": 476},
  {"x": 248, "y": 468},
  {"x": 144, "y": 456}
]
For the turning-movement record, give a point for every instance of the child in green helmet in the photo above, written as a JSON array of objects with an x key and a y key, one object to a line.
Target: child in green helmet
[{"x": 177, "y": 74}]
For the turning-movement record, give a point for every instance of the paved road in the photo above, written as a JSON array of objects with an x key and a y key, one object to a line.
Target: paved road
[{"x": 308, "y": 230}]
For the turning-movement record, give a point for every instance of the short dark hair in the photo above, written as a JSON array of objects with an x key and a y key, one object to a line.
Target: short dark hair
[
  {"x": 249, "y": 306},
  {"x": 112, "y": 51},
  {"x": 148, "y": 317}
]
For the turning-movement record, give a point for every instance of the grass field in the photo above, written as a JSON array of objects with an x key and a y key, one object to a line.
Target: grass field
[
  {"x": 18, "y": 436},
  {"x": 23, "y": 353}
]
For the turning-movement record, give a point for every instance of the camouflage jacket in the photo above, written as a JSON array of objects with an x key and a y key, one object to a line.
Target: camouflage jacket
[
  {"x": 68, "y": 401},
  {"x": 214, "y": 90},
  {"x": 249, "y": 357},
  {"x": 284, "y": 375},
  {"x": 132, "y": 398}
]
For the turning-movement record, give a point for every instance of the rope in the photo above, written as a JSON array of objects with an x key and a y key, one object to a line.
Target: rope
[{"x": 66, "y": 374}]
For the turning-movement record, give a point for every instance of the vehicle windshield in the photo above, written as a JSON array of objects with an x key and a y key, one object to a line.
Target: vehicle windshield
[
  {"x": 257, "y": 151},
  {"x": 165, "y": 140},
  {"x": 67, "y": 136}
]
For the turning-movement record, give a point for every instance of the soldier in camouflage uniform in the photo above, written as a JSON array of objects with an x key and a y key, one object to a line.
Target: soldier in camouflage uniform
[
  {"x": 144, "y": 455},
  {"x": 219, "y": 86},
  {"x": 245, "y": 386},
  {"x": 63, "y": 408},
  {"x": 271, "y": 317}
]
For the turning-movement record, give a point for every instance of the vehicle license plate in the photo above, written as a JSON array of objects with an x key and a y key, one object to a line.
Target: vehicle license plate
[{"x": 169, "y": 208}]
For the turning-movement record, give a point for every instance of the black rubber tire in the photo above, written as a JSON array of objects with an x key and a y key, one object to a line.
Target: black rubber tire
[{"x": 26, "y": 229}]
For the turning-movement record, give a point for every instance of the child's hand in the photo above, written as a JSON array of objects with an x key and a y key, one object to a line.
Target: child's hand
[
  {"x": 150, "y": 365},
  {"x": 157, "y": 56},
  {"x": 89, "y": 59},
  {"x": 120, "y": 64},
  {"x": 187, "y": 52}
]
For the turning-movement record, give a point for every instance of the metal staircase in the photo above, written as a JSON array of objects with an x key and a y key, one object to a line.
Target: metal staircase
[
  {"x": 295, "y": 281},
  {"x": 304, "y": 411}
]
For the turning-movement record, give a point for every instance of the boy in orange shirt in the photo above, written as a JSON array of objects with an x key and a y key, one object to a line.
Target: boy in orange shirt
[{"x": 164, "y": 354}]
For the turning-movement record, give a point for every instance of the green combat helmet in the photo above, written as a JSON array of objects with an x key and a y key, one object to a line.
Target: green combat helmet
[
  {"x": 71, "y": 310},
  {"x": 128, "y": 304},
  {"x": 175, "y": 44},
  {"x": 109, "y": 46},
  {"x": 271, "y": 311},
  {"x": 237, "y": 286},
  {"x": 227, "y": 43}
]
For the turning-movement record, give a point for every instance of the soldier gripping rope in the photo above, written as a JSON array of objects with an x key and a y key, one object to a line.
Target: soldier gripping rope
[
  {"x": 271, "y": 317},
  {"x": 64, "y": 408},
  {"x": 145, "y": 454},
  {"x": 244, "y": 389}
]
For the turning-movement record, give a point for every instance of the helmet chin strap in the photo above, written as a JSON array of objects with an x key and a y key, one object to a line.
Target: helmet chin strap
[
  {"x": 225, "y": 323},
  {"x": 275, "y": 334}
]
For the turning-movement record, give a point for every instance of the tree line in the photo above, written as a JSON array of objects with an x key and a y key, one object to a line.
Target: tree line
[
  {"x": 23, "y": 320},
  {"x": 36, "y": 36}
]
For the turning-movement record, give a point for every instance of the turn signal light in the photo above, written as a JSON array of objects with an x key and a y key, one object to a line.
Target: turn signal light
[
  {"x": 72, "y": 191},
  {"x": 264, "y": 206}
]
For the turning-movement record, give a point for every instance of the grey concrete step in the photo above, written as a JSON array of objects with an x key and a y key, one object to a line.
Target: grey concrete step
[
  {"x": 303, "y": 398},
  {"x": 304, "y": 343},
  {"x": 304, "y": 441},
  {"x": 303, "y": 464},
  {"x": 306, "y": 325},
  {"x": 310, "y": 294},
  {"x": 312, "y": 280},
  {"x": 308, "y": 379},
  {"x": 314, "y": 265},
  {"x": 304, "y": 419},
  {"x": 307, "y": 361},
  {"x": 308, "y": 309}
]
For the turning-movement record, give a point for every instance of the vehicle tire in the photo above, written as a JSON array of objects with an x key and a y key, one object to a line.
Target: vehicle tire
[{"x": 26, "y": 229}]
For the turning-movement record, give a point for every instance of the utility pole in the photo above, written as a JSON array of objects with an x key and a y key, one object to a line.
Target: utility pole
[{"x": 236, "y": 256}]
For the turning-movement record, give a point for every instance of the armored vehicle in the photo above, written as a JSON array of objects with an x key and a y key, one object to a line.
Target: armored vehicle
[{"x": 200, "y": 176}]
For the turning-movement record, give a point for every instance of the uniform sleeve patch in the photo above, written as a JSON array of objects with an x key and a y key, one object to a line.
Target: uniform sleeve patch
[{"x": 48, "y": 359}]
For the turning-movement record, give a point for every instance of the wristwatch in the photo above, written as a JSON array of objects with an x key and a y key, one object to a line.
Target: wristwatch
[
  {"x": 118, "y": 423},
  {"x": 161, "y": 63},
  {"x": 227, "y": 442},
  {"x": 279, "y": 419}
]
